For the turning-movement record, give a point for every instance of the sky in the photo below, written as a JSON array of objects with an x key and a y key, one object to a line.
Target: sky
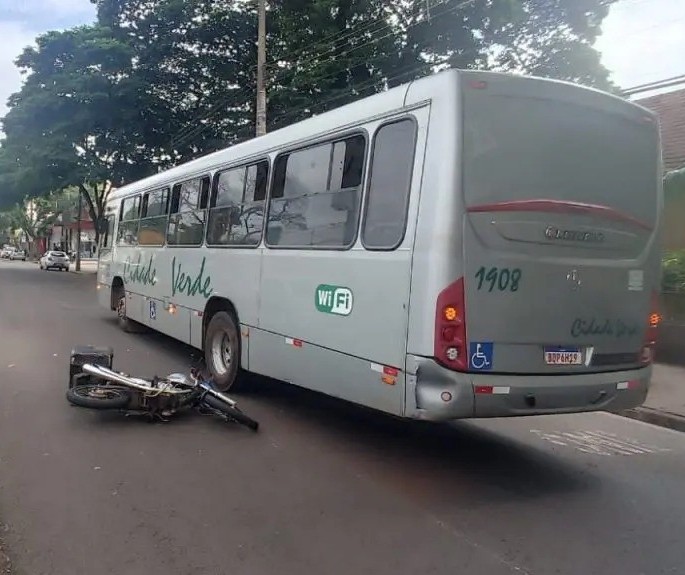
[{"x": 642, "y": 40}]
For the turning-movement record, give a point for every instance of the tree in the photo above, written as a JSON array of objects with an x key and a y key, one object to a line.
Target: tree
[
  {"x": 157, "y": 82},
  {"x": 327, "y": 52},
  {"x": 34, "y": 217},
  {"x": 78, "y": 118},
  {"x": 198, "y": 58}
]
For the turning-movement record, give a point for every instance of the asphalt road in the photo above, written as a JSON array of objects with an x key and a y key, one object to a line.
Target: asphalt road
[{"x": 324, "y": 488}]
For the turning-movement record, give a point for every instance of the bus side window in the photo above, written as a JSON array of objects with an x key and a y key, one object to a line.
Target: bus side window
[
  {"x": 153, "y": 221},
  {"x": 315, "y": 199},
  {"x": 392, "y": 162},
  {"x": 107, "y": 237},
  {"x": 236, "y": 211},
  {"x": 187, "y": 220},
  {"x": 129, "y": 219}
]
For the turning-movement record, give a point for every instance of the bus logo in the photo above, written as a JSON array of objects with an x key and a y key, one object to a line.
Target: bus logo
[{"x": 334, "y": 299}]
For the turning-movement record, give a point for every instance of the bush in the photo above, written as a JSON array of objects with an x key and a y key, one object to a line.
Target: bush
[{"x": 673, "y": 277}]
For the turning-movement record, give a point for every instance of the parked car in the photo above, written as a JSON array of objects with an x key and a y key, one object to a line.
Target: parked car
[
  {"x": 6, "y": 252},
  {"x": 55, "y": 260},
  {"x": 18, "y": 255}
]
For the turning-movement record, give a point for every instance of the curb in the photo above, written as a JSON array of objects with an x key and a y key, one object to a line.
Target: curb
[{"x": 656, "y": 417}]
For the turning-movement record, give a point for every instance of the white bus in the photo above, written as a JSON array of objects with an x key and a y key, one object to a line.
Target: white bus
[{"x": 466, "y": 245}]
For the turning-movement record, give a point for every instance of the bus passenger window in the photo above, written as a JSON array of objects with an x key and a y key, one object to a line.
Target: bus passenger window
[
  {"x": 316, "y": 195},
  {"x": 153, "y": 222},
  {"x": 385, "y": 218},
  {"x": 187, "y": 220},
  {"x": 107, "y": 236},
  {"x": 236, "y": 214},
  {"x": 129, "y": 218}
]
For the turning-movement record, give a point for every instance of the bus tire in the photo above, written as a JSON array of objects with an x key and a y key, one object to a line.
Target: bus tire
[
  {"x": 222, "y": 351},
  {"x": 125, "y": 323}
]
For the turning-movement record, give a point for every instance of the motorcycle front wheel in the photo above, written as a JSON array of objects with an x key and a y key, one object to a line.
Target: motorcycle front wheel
[
  {"x": 231, "y": 412},
  {"x": 94, "y": 396}
]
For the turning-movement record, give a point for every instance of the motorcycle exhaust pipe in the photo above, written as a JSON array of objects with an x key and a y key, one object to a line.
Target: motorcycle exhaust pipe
[{"x": 134, "y": 382}]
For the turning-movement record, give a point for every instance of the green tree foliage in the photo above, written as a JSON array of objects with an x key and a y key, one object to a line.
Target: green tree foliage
[
  {"x": 198, "y": 59},
  {"x": 673, "y": 277},
  {"x": 77, "y": 119},
  {"x": 157, "y": 82},
  {"x": 34, "y": 217}
]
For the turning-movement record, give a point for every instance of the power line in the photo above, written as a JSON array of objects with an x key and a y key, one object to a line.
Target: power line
[
  {"x": 194, "y": 131},
  {"x": 247, "y": 131},
  {"x": 665, "y": 83},
  {"x": 219, "y": 106},
  {"x": 347, "y": 34}
]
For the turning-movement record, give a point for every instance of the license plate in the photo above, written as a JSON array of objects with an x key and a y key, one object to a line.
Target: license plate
[{"x": 563, "y": 356}]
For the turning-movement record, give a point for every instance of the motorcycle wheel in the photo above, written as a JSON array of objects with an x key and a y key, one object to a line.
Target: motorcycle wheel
[
  {"x": 94, "y": 396},
  {"x": 231, "y": 412}
]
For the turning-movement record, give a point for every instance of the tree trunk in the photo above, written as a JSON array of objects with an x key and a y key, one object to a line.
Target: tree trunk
[{"x": 93, "y": 211}]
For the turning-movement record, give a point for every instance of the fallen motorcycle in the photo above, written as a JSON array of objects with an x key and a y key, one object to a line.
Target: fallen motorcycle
[{"x": 94, "y": 385}]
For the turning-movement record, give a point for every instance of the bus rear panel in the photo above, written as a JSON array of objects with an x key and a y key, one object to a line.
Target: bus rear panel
[{"x": 553, "y": 306}]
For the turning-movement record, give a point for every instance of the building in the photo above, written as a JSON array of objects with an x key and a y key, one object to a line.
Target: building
[
  {"x": 670, "y": 107},
  {"x": 63, "y": 235}
]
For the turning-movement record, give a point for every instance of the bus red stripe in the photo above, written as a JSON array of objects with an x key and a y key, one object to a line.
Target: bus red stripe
[{"x": 560, "y": 207}]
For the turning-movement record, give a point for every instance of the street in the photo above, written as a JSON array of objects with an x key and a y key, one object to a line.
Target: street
[{"x": 323, "y": 488}]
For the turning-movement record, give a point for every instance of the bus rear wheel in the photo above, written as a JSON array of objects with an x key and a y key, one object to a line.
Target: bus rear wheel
[{"x": 222, "y": 351}]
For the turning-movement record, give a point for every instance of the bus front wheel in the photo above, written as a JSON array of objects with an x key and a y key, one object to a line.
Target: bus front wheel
[
  {"x": 222, "y": 350},
  {"x": 125, "y": 323}
]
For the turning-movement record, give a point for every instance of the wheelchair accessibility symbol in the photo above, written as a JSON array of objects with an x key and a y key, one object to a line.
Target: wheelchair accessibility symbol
[
  {"x": 480, "y": 355},
  {"x": 153, "y": 309}
]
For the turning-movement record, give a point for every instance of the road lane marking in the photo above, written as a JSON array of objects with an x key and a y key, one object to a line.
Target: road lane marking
[{"x": 597, "y": 442}]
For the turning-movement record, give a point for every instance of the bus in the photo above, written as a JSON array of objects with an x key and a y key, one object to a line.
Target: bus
[{"x": 470, "y": 244}]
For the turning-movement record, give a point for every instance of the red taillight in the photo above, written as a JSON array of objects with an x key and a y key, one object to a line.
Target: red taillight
[
  {"x": 450, "y": 327},
  {"x": 653, "y": 321}
]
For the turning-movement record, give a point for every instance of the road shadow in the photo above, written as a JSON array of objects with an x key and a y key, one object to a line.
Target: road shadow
[{"x": 442, "y": 455}]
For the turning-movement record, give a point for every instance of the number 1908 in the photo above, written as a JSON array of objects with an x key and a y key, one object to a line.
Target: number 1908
[{"x": 502, "y": 279}]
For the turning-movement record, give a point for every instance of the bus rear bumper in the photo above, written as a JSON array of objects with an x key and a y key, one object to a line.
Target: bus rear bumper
[{"x": 437, "y": 394}]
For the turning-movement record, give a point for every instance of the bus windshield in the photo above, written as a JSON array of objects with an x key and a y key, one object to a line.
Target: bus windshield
[{"x": 524, "y": 148}]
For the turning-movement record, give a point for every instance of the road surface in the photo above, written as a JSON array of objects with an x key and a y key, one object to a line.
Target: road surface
[{"x": 324, "y": 488}]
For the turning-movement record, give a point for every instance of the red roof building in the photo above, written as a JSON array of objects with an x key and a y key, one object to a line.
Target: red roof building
[{"x": 670, "y": 108}]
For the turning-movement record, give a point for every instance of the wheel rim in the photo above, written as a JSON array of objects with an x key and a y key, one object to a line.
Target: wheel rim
[
  {"x": 99, "y": 392},
  {"x": 222, "y": 353}
]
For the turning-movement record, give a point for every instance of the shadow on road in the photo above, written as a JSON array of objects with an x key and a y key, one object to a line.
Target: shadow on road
[{"x": 427, "y": 457}]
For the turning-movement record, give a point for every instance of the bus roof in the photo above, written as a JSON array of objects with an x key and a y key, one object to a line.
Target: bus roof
[
  {"x": 335, "y": 120},
  {"x": 329, "y": 121}
]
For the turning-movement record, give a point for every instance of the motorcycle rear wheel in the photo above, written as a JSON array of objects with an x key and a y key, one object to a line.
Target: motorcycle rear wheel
[{"x": 94, "y": 396}]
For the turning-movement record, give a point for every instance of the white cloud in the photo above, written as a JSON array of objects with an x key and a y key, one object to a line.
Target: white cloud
[
  {"x": 14, "y": 40},
  {"x": 21, "y": 21},
  {"x": 42, "y": 11},
  {"x": 643, "y": 41}
]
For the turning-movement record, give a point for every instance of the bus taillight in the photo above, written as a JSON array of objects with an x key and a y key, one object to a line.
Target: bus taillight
[
  {"x": 450, "y": 327},
  {"x": 653, "y": 321}
]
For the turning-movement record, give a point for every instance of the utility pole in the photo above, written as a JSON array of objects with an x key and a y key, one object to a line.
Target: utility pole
[
  {"x": 261, "y": 68},
  {"x": 78, "y": 232}
]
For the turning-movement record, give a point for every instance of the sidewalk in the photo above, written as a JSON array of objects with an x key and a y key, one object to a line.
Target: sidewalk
[
  {"x": 665, "y": 405},
  {"x": 89, "y": 266}
]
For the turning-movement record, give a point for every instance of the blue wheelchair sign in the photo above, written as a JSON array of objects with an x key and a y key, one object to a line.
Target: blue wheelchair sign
[
  {"x": 481, "y": 355},
  {"x": 153, "y": 309}
]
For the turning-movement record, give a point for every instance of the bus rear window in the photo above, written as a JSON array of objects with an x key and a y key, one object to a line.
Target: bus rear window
[{"x": 518, "y": 148}]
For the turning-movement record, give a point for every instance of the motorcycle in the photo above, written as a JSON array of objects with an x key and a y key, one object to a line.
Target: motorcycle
[{"x": 96, "y": 386}]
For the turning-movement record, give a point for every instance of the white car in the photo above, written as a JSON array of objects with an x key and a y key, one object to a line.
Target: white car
[
  {"x": 7, "y": 252},
  {"x": 18, "y": 255},
  {"x": 56, "y": 260}
]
